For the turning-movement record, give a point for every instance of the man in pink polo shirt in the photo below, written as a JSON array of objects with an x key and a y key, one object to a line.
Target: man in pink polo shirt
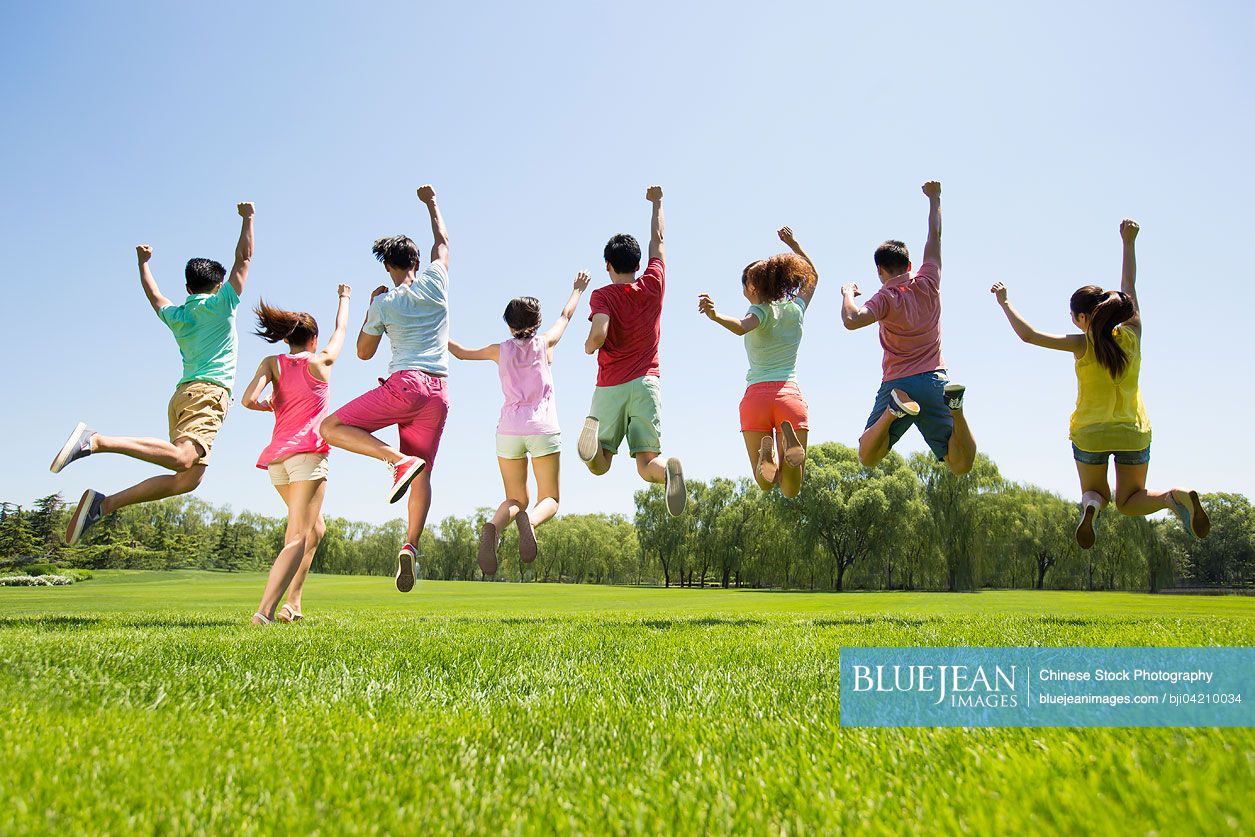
[{"x": 915, "y": 387}]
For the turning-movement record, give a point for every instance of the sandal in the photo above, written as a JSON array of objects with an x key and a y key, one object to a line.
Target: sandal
[
  {"x": 265, "y": 620},
  {"x": 288, "y": 614}
]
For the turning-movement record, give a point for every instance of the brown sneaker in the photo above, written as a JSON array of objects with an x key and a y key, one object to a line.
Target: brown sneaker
[
  {"x": 527, "y": 537},
  {"x": 767, "y": 468},
  {"x": 794, "y": 453},
  {"x": 488, "y": 549}
]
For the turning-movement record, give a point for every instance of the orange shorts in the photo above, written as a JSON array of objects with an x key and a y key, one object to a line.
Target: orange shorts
[{"x": 767, "y": 404}]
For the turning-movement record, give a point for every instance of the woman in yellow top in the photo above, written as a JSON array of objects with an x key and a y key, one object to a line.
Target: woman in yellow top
[{"x": 1109, "y": 418}]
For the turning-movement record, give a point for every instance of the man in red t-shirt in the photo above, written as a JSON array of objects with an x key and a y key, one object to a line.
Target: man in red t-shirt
[
  {"x": 915, "y": 388},
  {"x": 626, "y": 320}
]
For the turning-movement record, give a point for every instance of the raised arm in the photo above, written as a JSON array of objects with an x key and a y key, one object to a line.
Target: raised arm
[
  {"x": 440, "y": 249},
  {"x": 807, "y": 292},
  {"x": 460, "y": 352},
  {"x": 1074, "y": 343},
  {"x": 243, "y": 249},
  {"x": 597, "y": 333},
  {"x": 555, "y": 332},
  {"x": 853, "y": 315},
  {"x": 252, "y": 398},
  {"x": 654, "y": 195},
  {"x": 932, "y": 247},
  {"x": 368, "y": 343},
  {"x": 331, "y": 352},
  {"x": 155, "y": 298},
  {"x": 1128, "y": 270},
  {"x": 706, "y": 305}
]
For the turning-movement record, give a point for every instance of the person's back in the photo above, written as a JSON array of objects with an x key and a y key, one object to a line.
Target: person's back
[
  {"x": 300, "y": 404},
  {"x": 527, "y": 384},
  {"x": 908, "y": 309},
  {"x": 415, "y": 316},
  {"x": 772, "y": 347},
  {"x": 634, "y": 332},
  {"x": 1109, "y": 412},
  {"x": 204, "y": 329}
]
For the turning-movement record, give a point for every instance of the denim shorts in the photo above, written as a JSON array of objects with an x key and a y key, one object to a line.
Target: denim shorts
[
  {"x": 1123, "y": 457},
  {"x": 928, "y": 389}
]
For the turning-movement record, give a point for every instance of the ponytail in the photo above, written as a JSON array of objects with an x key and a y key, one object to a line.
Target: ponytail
[
  {"x": 1106, "y": 310},
  {"x": 275, "y": 324}
]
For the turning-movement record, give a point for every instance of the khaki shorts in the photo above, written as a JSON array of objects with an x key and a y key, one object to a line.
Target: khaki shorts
[
  {"x": 196, "y": 411},
  {"x": 299, "y": 467}
]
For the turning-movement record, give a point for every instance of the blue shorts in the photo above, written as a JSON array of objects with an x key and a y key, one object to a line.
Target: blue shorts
[
  {"x": 928, "y": 389},
  {"x": 1123, "y": 457}
]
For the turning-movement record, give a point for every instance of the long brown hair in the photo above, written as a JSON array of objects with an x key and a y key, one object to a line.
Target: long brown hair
[
  {"x": 275, "y": 324},
  {"x": 1106, "y": 310}
]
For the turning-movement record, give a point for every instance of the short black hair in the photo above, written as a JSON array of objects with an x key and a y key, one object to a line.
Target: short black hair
[
  {"x": 893, "y": 257},
  {"x": 623, "y": 253},
  {"x": 522, "y": 315},
  {"x": 396, "y": 251},
  {"x": 203, "y": 275}
]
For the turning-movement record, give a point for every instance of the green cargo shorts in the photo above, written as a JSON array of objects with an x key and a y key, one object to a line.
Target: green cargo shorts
[{"x": 634, "y": 410}]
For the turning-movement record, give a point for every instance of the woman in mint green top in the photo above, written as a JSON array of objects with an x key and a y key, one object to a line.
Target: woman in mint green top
[{"x": 773, "y": 411}]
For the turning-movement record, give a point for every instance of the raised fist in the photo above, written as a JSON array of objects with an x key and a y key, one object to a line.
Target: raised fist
[
  {"x": 850, "y": 289},
  {"x": 932, "y": 189},
  {"x": 999, "y": 291},
  {"x": 426, "y": 193},
  {"x": 786, "y": 235},
  {"x": 653, "y": 194},
  {"x": 245, "y": 209},
  {"x": 343, "y": 291},
  {"x": 1128, "y": 230},
  {"x": 143, "y": 252}
]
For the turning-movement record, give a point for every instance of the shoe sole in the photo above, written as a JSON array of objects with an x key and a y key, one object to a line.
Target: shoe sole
[
  {"x": 767, "y": 467},
  {"x": 677, "y": 496},
  {"x": 1200, "y": 523},
  {"x": 487, "y": 557},
  {"x": 587, "y": 445},
  {"x": 398, "y": 490},
  {"x": 75, "y": 530},
  {"x": 63, "y": 456},
  {"x": 794, "y": 453},
  {"x": 405, "y": 572},
  {"x": 527, "y": 538},
  {"x": 904, "y": 404},
  {"x": 954, "y": 389},
  {"x": 1085, "y": 529}
]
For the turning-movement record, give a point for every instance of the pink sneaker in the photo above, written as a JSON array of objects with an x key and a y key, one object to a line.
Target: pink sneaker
[{"x": 403, "y": 473}]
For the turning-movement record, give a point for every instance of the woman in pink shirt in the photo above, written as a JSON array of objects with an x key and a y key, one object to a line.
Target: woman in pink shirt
[
  {"x": 528, "y": 426},
  {"x": 296, "y": 457}
]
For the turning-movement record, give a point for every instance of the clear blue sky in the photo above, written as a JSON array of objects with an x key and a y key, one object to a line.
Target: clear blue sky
[{"x": 541, "y": 125}]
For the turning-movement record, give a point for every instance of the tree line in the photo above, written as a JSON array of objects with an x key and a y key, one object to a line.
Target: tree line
[{"x": 906, "y": 524}]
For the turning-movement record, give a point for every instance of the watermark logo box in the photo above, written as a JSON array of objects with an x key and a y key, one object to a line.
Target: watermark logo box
[{"x": 1048, "y": 687}]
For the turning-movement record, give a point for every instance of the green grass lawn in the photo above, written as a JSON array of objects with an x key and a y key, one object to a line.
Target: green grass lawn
[{"x": 143, "y": 702}]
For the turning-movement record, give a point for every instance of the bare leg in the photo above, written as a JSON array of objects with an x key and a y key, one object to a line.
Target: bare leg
[
  {"x": 1132, "y": 498},
  {"x": 546, "y": 469},
  {"x": 297, "y": 495},
  {"x": 419, "y": 505},
  {"x": 341, "y": 435},
  {"x": 174, "y": 456},
  {"x": 652, "y": 467},
  {"x": 514, "y": 478},
  {"x": 313, "y": 537},
  {"x": 155, "y": 488},
  {"x": 873, "y": 445},
  {"x": 753, "y": 444},
  {"x": 791, "y": 476},
  {"x": 600, "y": 463},
  {"x": 961, "y": 452},
  {"x": 1095, "y": 493}
]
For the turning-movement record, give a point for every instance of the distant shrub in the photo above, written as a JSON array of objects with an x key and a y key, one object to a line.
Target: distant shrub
[
  {"x": 40, "y": 568},
  {"x": 35, "y": 581},
  {"x": 77, "y": 575}
]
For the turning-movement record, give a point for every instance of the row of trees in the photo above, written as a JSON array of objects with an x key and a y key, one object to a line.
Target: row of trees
[{"x": 905, "y": 524}]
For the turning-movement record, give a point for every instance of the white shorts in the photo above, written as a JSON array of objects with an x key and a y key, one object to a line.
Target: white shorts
[
  {"x": 521, "y": 447},
  {"x": 300, "y": 467}
]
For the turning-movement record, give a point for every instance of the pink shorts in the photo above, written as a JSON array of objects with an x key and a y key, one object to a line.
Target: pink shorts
[
  {"x": 765, "y": 405},
  {"x": 417, "y": 403}
]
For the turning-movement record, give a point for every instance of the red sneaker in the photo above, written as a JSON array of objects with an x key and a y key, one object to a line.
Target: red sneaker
[{"x": 403, "y": 473}]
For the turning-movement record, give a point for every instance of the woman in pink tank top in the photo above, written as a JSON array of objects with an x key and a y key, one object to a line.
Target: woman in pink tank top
[
  {"x": 528, "y": 426},
  {"x": 296, "y": 457}
]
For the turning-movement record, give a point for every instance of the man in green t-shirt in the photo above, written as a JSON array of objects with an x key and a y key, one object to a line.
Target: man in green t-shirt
[{"x": 204, "y": 328}]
